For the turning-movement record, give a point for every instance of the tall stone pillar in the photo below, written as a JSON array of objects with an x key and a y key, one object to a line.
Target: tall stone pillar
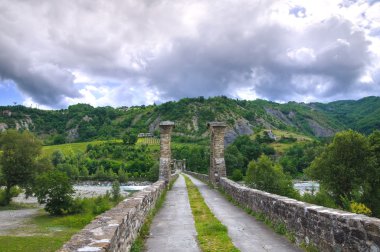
[
  {"x": 217, "y": 162},
  {"x": 166, "y": 128}
]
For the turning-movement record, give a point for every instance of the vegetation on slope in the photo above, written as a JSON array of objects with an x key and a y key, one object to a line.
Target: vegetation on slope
[{"x": 83, "y": 122}]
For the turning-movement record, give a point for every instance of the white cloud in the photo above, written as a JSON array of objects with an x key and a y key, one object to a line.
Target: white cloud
[{"x": 135, "y": 52}]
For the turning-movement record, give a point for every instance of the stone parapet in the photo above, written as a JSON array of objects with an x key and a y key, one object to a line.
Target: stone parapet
[
  {"x": 116, "y": 229},
  {"x": 327, "y": 229},
  {"x": 202, "y": 177}
]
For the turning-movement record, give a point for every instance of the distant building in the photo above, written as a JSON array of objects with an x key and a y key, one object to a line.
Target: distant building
[
  {"x": 7, "y": 113},
  {"x": 140, "y": 135}
]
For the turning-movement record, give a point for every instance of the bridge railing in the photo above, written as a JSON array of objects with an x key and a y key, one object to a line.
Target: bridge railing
[
  {"x": 326, "y": 228},
  {"x": 116, "y": 229}
]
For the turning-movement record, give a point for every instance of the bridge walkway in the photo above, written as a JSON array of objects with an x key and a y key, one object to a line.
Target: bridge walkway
[
  {"x": 245, "y": 231},
  {"x": 173, "y": 227}
]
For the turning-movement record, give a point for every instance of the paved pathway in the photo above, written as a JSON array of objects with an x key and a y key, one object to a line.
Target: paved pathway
[
  {"x": 173, "y": 228},
  {"x": 12, "y": 219},
  {"x": 245, "y": 231}
]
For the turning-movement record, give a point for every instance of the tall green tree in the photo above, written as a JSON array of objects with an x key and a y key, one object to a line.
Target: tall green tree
[
  {"x": 344, "y": 166},
  {"x": 267, "y": 176},
  {"x": 19, "y": 160},
  {"x": 234, "y": 160},
  {"x": 56, "y": 191},
  {"x": 372, "y": 191}
]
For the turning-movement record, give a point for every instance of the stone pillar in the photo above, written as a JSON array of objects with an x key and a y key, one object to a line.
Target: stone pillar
[
  {"x": 217, "y": 162},
  {"x": 165, "y": 152}
]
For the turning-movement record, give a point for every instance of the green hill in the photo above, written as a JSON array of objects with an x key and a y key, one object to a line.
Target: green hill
[{"x": 83, "y": 122}]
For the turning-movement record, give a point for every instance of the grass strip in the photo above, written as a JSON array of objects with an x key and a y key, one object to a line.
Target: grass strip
[
  {"x": 138, "y": 244},
  {"x": 212, "y": 234}
]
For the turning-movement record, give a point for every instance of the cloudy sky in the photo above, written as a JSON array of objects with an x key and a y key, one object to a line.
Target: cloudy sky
[{"x": 130, "y": 52}]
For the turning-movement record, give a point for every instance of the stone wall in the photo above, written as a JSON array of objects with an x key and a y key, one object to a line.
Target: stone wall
[
  {"x": 202, "y": 177},
  {"x": 116, "y": 229},
  {"x": 327, "y": 229}
]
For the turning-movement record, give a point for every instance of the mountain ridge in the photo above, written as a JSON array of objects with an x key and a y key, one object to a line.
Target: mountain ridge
[{"x": 82, "y": 122}]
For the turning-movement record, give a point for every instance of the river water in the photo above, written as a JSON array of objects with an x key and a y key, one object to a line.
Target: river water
[
  {"x": 306, "y": 186},
  {"x": 87, "y": 191}
]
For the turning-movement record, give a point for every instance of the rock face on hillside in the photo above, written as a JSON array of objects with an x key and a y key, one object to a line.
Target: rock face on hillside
[
  {"x": 154, "y": 125},
  {"x": 319, "y": 130},
  {"x": 241, "y": 127},
  {"x": 72, "y": 134},
  {"x": 3, "y": 127},
  {"x": 24, "y": 124},
  {"x": 280, "y": 116}
]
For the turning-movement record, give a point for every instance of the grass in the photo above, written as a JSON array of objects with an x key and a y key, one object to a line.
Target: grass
[
  {"x": 281, "y": 147},
  {"x": 48, "y": 233},
  {"x": 44, "y": 233},
  {"x": 32, "y": 243},
  {"x": 138, "y": 244},
  {"x": 69, "y": 147},
  {"x": 18, "y": 206},
  {"x": 299, "y": 137},
  {"x": 212, "y": 234}
]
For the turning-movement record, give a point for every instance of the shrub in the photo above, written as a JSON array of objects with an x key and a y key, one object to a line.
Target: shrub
[
  {"x": 321, "y": 198},
  {"x": 55, "y": 189},
  {"x": 15, "y": 191},
  {"x": 360, "y": 208},
  {"x": 115, "y": 190},
  {"x": 237, "y": 175},
  {"x": 266, "y": 176}
]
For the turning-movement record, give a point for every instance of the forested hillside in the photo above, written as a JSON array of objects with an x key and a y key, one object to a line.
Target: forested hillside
[{"x": 83, "y": 122}]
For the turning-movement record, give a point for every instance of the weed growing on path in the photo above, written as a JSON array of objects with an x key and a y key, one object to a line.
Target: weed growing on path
[{"x": 212, "y": 234}]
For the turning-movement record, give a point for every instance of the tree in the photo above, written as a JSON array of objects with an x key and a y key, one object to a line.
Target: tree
[
  {"x": 153, "y": 172},
  {"x": 129, "y": 138},
  {"x": 122, "y": 175},
  {"x": 115, "y": 190},
  {"x": 248, "y": 147},
  {"x": 344, "y": 166},
  {"x": 71, "y": 170},
  {"x": 371, "y": 195},
  {"x": 237, "y": 175},
  {"x": 57, "y": 157},
  {"x": 55, "y": 189},
  {"x": 266, "y": 176},
  {"x": 19, "y": 159},
  {"x": 234, "y": 160}
]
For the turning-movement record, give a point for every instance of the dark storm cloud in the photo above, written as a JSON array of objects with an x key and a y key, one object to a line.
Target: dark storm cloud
[
  {"x": 46, "y": 82},
  {"x": 276, "y": 63},
  {"x": 156, "y": 50}
]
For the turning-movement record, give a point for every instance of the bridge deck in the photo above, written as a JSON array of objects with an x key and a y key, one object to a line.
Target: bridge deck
[
  {"x": 246, "y": 232},
  {"x": 173, "y": 227}
]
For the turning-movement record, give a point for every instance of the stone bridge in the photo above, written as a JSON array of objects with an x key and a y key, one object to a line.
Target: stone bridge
[{"x": 311, "y": 226}]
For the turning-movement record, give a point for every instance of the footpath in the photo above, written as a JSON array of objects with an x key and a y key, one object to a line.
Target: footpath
[
  {"x": 246, "y": 233},
  {"x": 173, "y": 230}
]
